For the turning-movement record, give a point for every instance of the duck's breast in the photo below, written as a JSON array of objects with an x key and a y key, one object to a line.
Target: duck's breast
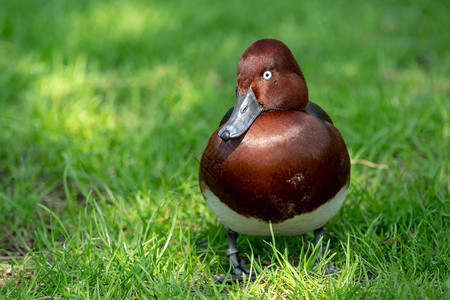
[{"x": 286, "y": 165}]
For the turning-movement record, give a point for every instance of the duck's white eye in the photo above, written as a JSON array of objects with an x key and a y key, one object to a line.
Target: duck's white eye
[{"x": 267, "y": 75}]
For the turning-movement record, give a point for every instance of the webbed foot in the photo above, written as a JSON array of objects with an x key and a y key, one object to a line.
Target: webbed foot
[{"x": 237, "y": 275}]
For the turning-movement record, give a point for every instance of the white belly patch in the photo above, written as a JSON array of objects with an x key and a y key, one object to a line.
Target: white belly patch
[{"x": 297, "y": 225}]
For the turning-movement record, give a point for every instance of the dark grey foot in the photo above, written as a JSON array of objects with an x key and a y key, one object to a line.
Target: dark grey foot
[
  {"x": 318, "y": 235},
  {"x": 237, "y": 273}
]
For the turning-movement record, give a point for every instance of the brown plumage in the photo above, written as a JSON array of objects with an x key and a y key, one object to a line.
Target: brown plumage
[{"x": 278, "y": 168}]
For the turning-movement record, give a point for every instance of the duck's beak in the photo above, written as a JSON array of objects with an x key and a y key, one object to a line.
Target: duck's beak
[{"x": 245, "y": 111}]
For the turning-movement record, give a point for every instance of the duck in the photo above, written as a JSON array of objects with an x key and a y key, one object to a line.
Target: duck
[{"x": 276, "y": 164}]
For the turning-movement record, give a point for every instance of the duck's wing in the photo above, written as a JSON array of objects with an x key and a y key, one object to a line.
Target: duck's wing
[
  {"x": 316, "y": 111},
  {"x": 226, "y": 117}
]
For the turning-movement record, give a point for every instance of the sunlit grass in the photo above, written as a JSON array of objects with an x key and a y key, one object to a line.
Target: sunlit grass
[{"x": 106, "y": 107}]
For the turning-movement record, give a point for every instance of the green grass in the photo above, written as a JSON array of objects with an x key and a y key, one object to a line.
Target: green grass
[{"x": 106, "y": 107}]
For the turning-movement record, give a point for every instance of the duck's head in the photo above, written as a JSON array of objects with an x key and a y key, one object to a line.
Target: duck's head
[{"x": 268, "y": 78}]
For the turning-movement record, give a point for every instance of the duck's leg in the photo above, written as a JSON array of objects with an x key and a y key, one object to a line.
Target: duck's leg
[
  {"x": 237, "y": 272},
  {"x": 318, "y": 238},
  {"x": 318, "y": 235}
]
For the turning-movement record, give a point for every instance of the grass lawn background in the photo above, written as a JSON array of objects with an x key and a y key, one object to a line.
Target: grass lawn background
[{"x": 106, "y": 107}]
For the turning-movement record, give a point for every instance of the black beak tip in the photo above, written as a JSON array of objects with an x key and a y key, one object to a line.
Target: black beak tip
[{"x": 225, "y": 136}]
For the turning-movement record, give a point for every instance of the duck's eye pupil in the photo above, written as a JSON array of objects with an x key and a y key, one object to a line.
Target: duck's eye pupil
[{"x": 267, "y": 75}]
